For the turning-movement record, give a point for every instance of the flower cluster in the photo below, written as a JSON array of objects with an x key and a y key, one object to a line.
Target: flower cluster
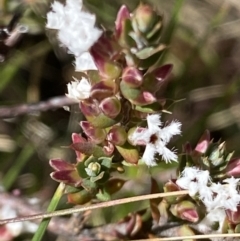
[
  {"x": 214, "y": 195},
  {"x": 120, "y": 96}
]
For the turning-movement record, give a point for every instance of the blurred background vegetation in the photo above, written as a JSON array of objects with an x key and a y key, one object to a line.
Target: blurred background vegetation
[{"x": 204, "y": 46}]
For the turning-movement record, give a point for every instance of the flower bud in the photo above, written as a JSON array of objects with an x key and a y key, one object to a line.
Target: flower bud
[
  {"x": 110, "y": 106},
  {"x": 93, "y": 169},
  {"x": 136, "y": 96},
  {"x": 145, "y": 17},
  {"x": 108, "y": 69},
  {"x": 69, "y": 177},
  {"x": 117, "y": 135},
  {"x": 65, "y": 172},
  {"x": 233, "y": 168},
  {"x": 114, "y": 185},
  {"x": 185, "y": 210},
  {"x": 95, "y": 116},
  {"x": 132, "y": 77},
  {"x": 59, "y": 165},
  {"x": 203, "y": 143},
  {"x": 76, "y": 138},
  {"x": 97, "y": 135},
  {"x": 123, "y": 28},
  {"x": 89, "y": 108},
  {"x": 171, "y": 186},
  {"x": 79, "y": 198},
  {"x": 163, "y": 72},
  {"x": 122, "y": 15},
  {"x": 103, "y": 89}
]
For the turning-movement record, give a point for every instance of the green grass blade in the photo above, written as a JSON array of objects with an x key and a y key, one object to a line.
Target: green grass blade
[
  {"x": 52, "y": 207},
  {"x": 20, "y": 162}
]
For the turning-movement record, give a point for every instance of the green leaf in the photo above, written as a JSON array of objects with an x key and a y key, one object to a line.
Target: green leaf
[
  {"x": 152, "y": 108},
  {"x": 150, "y": 51},
  {"x": 98, "y": 177},
  {"x": 89, "y": 185},
  {"x": 103, "y": 195},
  {"x": 106, "y": 162},
  {"x": 129, "y": 153},
  {"x": 81, "y": 170},
  {"x": 89, "y": 148}
]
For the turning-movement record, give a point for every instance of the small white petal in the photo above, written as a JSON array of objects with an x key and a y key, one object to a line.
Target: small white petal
[
  {"x": 168, "y": 155},
  {"x": 154, "y": 122},
  {"x": 85, "y": 62},
  {"x": 148, "y": 156},
  {"x": 173, "y": 129}
]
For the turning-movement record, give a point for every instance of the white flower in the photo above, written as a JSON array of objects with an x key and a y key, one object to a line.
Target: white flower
[
  {"x": 194, "y": 180},
  {"x": 79, "y": 89},
  {"x": 76, "y": 27},
  {"x": 155, "y": 138}
]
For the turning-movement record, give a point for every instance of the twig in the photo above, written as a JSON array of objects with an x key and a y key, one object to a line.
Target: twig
[
  {"x": 53, "y": 103},
  {"x": 92, "y": 207}
]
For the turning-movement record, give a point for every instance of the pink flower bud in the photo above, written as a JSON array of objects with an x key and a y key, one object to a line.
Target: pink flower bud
[
  {"x": 117, "y": 135},
  {"x": 103, "y": 89},
  {"x": 203, "y": 143},
  {"x": 59, "y": 165},
  {"x": 233, "y": 168},
  {"x": 145, "y": 17},
  {"x": 108, "y": 69},
  {"x": 89, "y": 108},
  {"x": 132, "y": 77},
  {"x": 96, "y": 135},
  {"x": 123, "y": 14},
  {"x": 76, "y": 138},
  {"x": 110, "y": 106},
  {"x": 185, "y": 210},
  {"x": 137, "y": 96},
  {"x": 162, "y": 73},
  {"x": 69, "y": 177}
]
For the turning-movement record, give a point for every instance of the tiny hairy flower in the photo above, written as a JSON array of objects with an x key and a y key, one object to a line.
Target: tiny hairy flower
[
  {"x": 79, "y": 89},
  {"x": 76, "y": 30},
  {"x": 155, "y": 138},
  {"x": 194, "y": 180}
]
